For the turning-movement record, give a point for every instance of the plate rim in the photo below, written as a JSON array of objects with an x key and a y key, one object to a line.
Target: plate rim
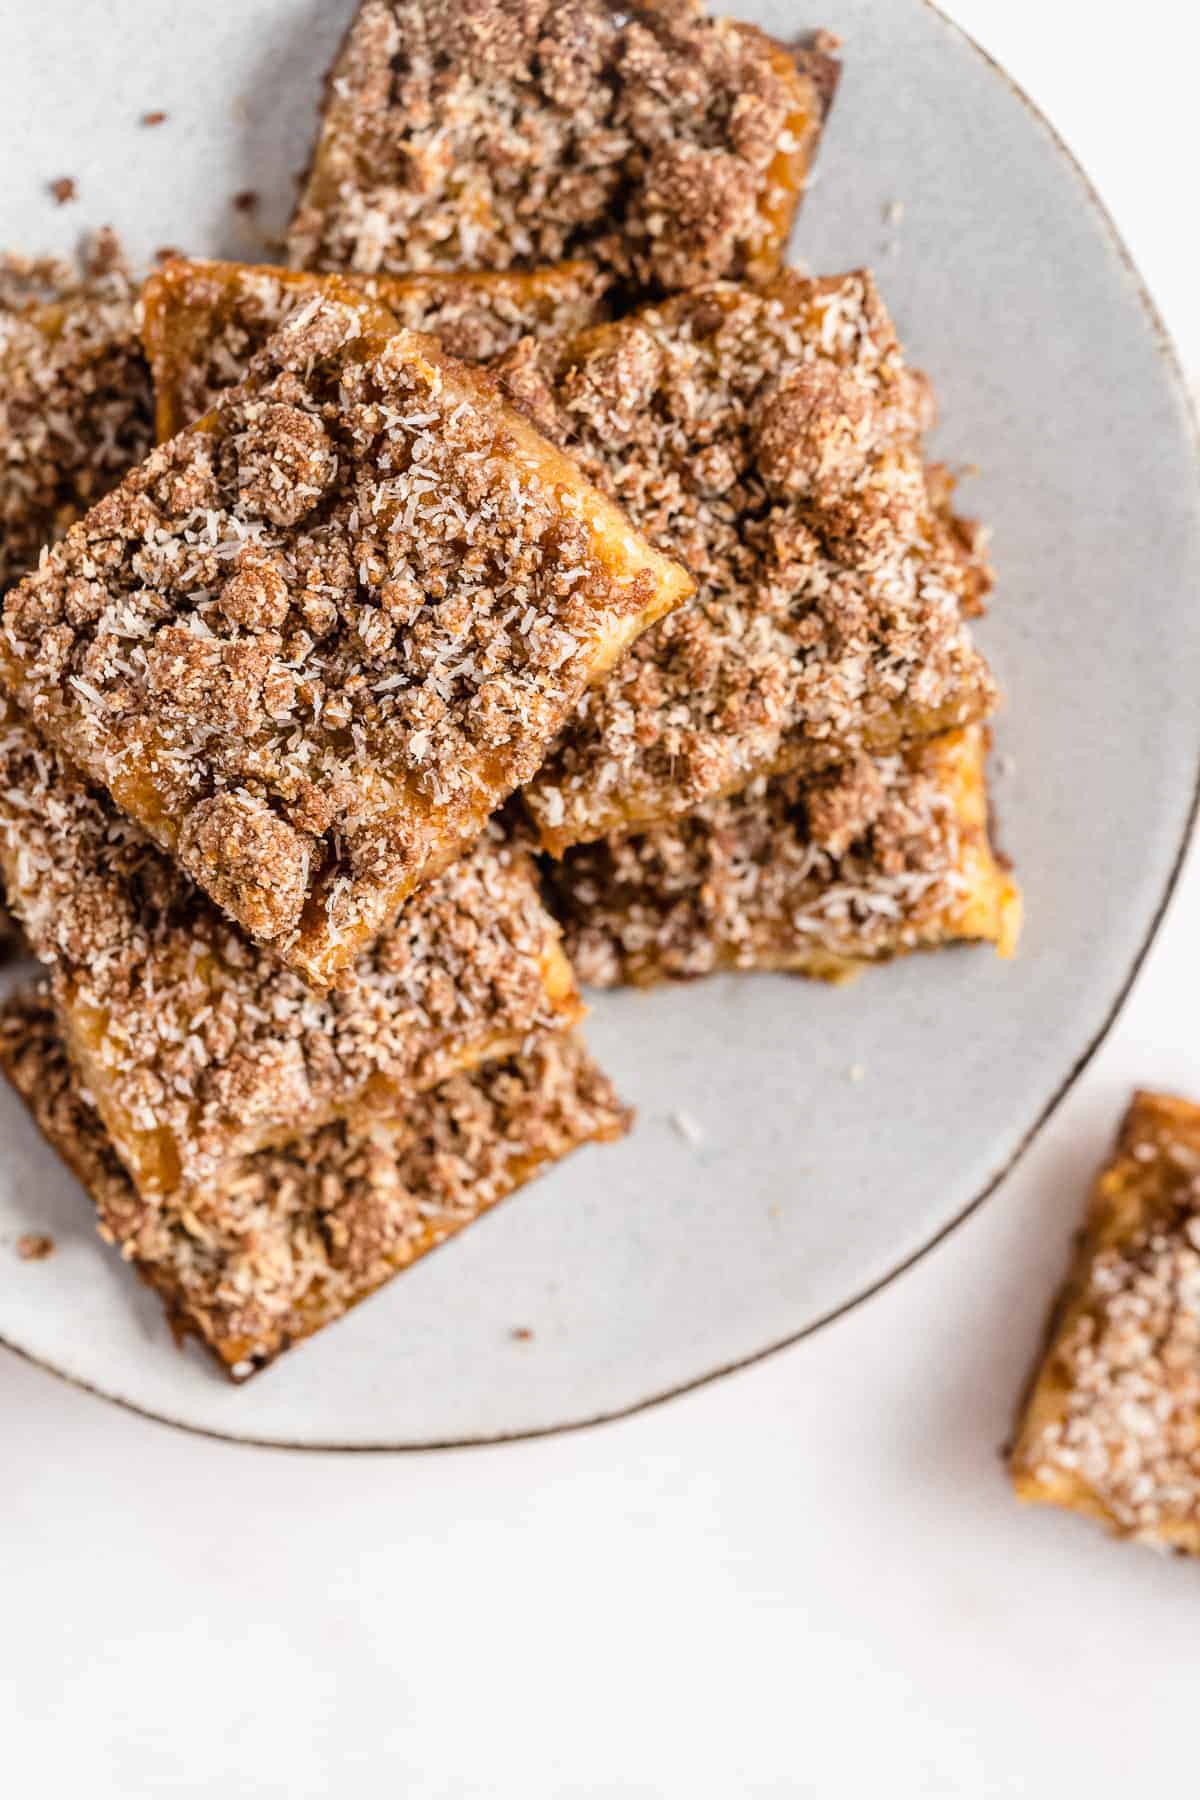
[{"x": 1169, "y": 358}]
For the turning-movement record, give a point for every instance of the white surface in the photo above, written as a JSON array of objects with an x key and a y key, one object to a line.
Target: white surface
[{"x": 809, "y": 1579}]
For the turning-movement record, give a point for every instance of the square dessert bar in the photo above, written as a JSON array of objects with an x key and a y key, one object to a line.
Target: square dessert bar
[
  {"x": 868, "y": 861},
  {"x": 202, "y": 322},
  {"x": 772, "y": 438},
  {"x": 491, "y": 134},
  {"x": 313, "y": 642},
  {"x": 196, "y": 1046},
  {"x": 297, "y": 1237},
  {"x": 75, "y": 406},
  {"x": 1111, "y": 1424}
]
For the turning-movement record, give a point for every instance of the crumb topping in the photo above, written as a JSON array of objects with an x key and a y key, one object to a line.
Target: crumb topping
[
  {"x": 35, "y": 1246},
  {"x": 204, "y": 321},
  {"x": 870, "y": 860},
  {"x": 773, "y": 438},
  {"x": 313, "y": 642},
  {"x": 671, "y": 147},
  {"x": 75, "y": 411},
  {"x": 199, "y": 1047},
  {"x": 1122, "y": 1382},
  {"x": 296, "y": 1238}
]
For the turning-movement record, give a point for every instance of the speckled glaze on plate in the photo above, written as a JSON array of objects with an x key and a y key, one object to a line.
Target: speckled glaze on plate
[{"x": 647, "y": 1268}]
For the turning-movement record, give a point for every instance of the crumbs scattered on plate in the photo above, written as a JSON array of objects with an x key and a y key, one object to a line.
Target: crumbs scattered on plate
[{"x": 35, "y": 1246}]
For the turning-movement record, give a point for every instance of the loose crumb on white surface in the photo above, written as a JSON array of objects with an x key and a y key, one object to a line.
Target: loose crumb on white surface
[
  {"x": 688, "y": 1127},
  {"x": 893, "y": 212},
  {"x": 35, "y": 1246},
  {"x": 856, "y": 1072},
  {"x": 1006, "y": 763}
]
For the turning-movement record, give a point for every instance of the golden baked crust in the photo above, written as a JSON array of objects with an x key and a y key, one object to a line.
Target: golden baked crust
[
  {"x": 869, "y": 861},
  {"x": 1111, "y": 1422},
  {"x": 772, "y": 438},
  {"x": 202, "y": 322},
  {"x": 296, "y": 1238},
  {"x": 198, "y": 1047},
  {"x": 491, "y": 134},
  {"x": 75, "y": 411},
  {"x": 312, "y": 642}
]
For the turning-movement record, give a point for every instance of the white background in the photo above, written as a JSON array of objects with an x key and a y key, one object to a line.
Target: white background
[{"x": 808, "y": 1579}]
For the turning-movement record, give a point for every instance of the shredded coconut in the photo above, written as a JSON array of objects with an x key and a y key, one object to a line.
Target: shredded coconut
[
  {"x": 868, "y": 861},
  {"x": 276, "y": 562},
  {"x": 303, "y": 1235},
  {"x": 772, "y": 439},
  {"x": 671, "y": 147}
]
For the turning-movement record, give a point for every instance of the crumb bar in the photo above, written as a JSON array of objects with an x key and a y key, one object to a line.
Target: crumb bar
[
  {"x": 1111, "y": 1425},
  {"x": 75, "y": 404},
  {"x": 772, "y": 438},
  {"x": 203, "y": 321},
  {"x": 198, "y": 1047},
  {"x": 868, "y": 861},
  {"x": 295, "y": 1238},
  {"x": 670, "y": 147},
  {"x": 313, "y": 641}
]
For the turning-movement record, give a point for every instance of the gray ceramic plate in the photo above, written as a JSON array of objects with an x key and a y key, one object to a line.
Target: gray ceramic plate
[{"x": 652, "y": 1266}]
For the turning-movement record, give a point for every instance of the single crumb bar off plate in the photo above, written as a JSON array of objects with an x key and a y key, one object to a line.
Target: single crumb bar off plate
[
  {"x": 773, "y": 438},
  {"x": 197, "y": 1047},
  {"x": 75, "y": 411},
  {"x": 869, "y": 861},
  {"x": 294, "y": 1238},
  {"x": 312, "y": 642},
  {"x": 491, "y": 134},
  {"x": 1111, "y": 1423},
  {"x": 202, "y": 322}
]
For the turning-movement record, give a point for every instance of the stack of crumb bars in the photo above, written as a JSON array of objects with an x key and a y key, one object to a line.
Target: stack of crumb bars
[{"x": 533, "y": 582}]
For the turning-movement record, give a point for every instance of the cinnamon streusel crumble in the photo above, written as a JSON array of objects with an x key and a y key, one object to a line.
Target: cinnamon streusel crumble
[
  {"x": 1111, "y": 1424},
  {"x": 295, "y": 1238},
  {"x": 203, "y": 321},
  {"x": 312, "y": 642},
  {"x": 494, "y": 134},
  {"x": 75, "y": 410},
  {"x": 197, "y": 1046},
  {"x": 772, "y": 438},
  {"x": 867, "y": 861}
]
